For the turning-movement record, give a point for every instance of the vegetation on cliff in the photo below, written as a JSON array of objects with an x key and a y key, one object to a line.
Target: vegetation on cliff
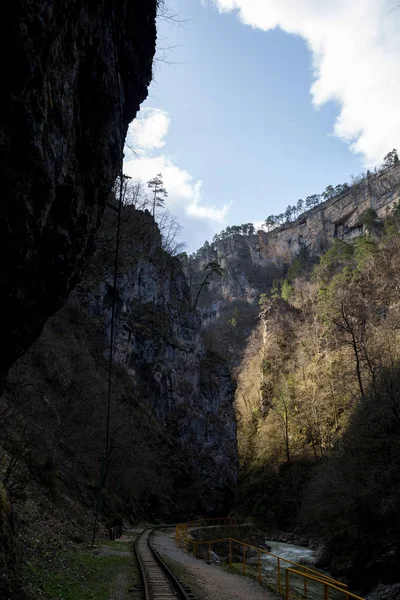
[{"x": 319, "y": 435}]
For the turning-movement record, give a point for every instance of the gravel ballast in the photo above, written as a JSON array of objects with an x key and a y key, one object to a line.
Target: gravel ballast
[{"x": 208, "y": 581}]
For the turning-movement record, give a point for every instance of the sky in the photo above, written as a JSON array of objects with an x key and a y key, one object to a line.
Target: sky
[{"x": 255, "y": 104}]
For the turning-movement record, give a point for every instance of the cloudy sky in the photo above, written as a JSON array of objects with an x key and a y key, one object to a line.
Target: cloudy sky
[{"x": 257, "y": 103}]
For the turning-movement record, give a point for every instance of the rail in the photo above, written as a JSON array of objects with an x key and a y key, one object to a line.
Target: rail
[
  {"x": 286, "y": 573},
  {"x": 158, "y": 579}
]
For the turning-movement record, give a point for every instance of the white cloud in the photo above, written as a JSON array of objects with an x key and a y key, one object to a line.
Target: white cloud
[
  {"x": 145, "y": 136},
  {"x": 148, "y": 130},
  {"x": 355, "y": 50},
  {"x": 184, "y": 192},
  {"x": 258, "y": 225}
]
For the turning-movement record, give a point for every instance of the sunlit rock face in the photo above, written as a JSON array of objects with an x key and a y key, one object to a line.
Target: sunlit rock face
[
  {"x": 72, "y": 68},
  {"x": 339, "y": 218},
  {"x": 252, "y": 262}
]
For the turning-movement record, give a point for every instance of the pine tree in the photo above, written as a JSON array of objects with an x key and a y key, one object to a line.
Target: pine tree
[{"x": 159, "y": 192}]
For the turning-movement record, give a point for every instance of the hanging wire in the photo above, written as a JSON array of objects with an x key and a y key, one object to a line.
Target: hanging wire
[{"x": 106, "y": 460}]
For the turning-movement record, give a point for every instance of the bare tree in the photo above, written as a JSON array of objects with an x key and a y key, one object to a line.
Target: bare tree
[
  {"x": 135, "y": 194},
  {"x": 170, "y": 230}
]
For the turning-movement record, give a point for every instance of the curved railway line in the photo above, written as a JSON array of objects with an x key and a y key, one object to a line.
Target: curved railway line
[{"x": 158, "y": 580}]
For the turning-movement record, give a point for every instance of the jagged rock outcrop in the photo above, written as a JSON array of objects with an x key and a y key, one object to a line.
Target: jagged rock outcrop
[
  {"x": 252, "y": 262},
  {"x": 247, "y": 271},
  {"x": 158, "y": 343},
  {"x": 338, "y": 218},
  {"x": 75, "y": 66}
]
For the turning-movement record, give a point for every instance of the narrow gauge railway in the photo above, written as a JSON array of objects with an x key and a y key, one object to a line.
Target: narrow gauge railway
[{"x": 159, "y": 582}]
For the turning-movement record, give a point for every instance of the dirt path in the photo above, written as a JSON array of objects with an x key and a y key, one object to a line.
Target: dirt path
[
  {"x": 127, "y": 584},
  {"x": 208, "y": 582}
]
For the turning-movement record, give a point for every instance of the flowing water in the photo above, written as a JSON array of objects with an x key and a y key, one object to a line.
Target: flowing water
[
  {"x": 292, "y": 552},
  {"x": 296, "y": 554}
]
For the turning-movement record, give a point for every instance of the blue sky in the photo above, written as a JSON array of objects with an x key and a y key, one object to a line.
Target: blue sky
[{"x": 261, "y": 105}]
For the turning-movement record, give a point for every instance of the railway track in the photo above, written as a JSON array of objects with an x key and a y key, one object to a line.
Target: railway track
[{"x": 159, "y": 582}]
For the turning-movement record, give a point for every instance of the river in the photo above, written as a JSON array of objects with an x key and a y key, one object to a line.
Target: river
[{"x": 295, "y": 554}]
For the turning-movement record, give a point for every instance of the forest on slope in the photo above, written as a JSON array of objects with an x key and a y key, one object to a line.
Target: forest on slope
[{"x": 319, "y": 409}]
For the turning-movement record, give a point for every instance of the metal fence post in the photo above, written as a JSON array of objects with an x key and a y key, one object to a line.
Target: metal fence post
[
  {"x": 259, "y": 566},
  {"x": 244, "y": 560},
  {"x": 230, "y": 552},
  {"x": 209, "y": 551},
  {"x": 287, "y": 585},
  {"x": 279, "y": 575},
  {"x": 326, "y": 592}
]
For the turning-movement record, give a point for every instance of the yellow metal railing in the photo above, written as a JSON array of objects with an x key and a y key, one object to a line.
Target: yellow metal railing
[
  {"x": 313, "y": 583},
  {"x": 336, "y": 587}
]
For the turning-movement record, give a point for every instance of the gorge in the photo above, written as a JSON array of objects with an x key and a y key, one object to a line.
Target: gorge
[
  {"x": 258, "y": 376},
  {"x": 306, "y": 316}
]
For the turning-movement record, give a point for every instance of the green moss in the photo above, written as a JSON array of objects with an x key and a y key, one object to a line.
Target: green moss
[{"x": 79, "y": 575}]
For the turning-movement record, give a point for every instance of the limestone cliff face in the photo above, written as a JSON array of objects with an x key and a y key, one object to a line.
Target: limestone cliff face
[
  {"x": 74, "y": 68},
  {"x": 338, "y": 218},
  {"x": 158, "y": 344},
  {"x": 248, "y": 270},
  {"x": 252, "y": 262}
]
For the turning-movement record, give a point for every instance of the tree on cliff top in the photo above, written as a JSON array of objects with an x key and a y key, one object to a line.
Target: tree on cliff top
[
  {"x": 391, "y": 159},
  {"x": 156, "y": 185}
]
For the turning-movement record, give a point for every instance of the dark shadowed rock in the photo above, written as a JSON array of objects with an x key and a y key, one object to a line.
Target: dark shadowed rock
[
  {"x": 72, "y": 66},
  {"x": 157, "y": 341},
  {"x": 385, "y": 592}
]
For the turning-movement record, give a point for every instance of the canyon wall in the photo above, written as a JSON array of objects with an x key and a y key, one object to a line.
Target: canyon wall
[
  {"x": 338, "y": 218},
  {"x": 172, "y": 428},
  {"x": 158, "y": 343},
  {"x": 77, "y": 74},
  {"x": 252, "y": 262}
]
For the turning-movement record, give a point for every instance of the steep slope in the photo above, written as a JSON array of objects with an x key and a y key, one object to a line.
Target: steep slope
[
  {"x": 339, "y": 218},
  {"x": 316, "y": 358},
  {"x": 78, "y": 73},
  {"x": 326, "y": 420},
  {"x": 173, "y": 432},
  {"x": 158, "y": 342}
]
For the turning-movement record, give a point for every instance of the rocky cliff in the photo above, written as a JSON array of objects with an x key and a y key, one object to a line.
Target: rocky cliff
[
  {"x": 172, "y": 430},
  {"x": 76, "y": 76},
  {"x": 317, "y": 378},
  {"x": 338, "y": 218},
  {"x": 158, "y": 344},
  {"x": 252, "y": 262}
]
